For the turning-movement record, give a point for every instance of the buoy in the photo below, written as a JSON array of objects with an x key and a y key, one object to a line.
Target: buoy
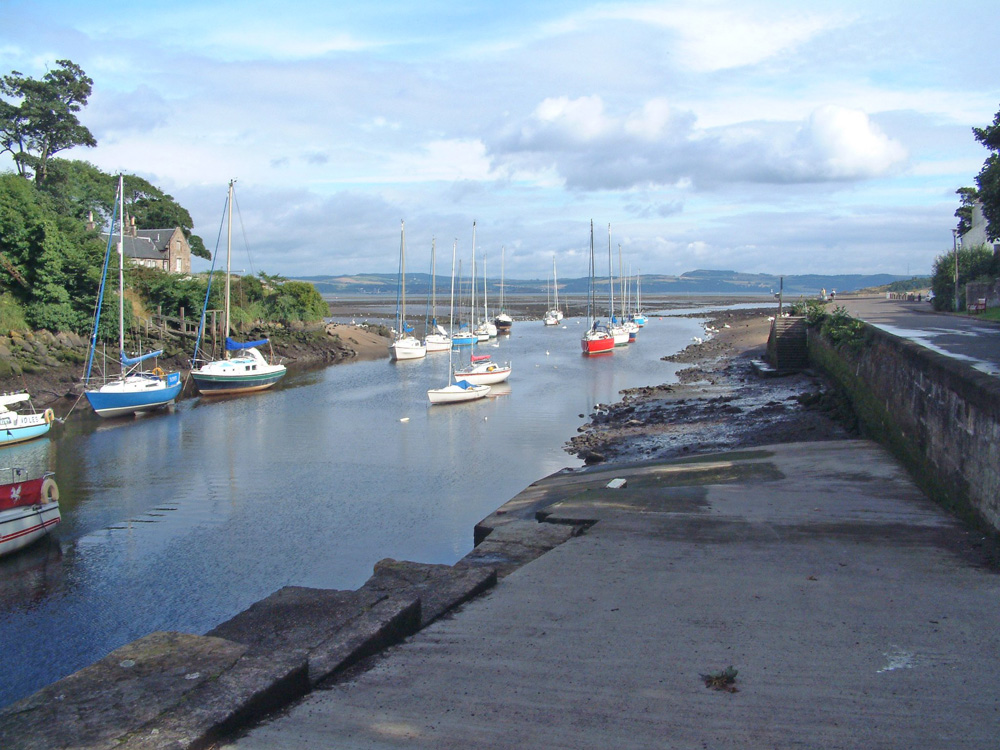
[
  {"x": 405, "y": 419},
  {"x": 49, "y": 416},
  {"x": 50, "y": 490}
]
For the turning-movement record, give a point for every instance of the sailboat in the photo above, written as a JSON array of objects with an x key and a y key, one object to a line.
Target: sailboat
[
  {"x": 487, "y": 326},
  {"x": 617, "y": 330},
  {"x": 596, "y": 339},
  {"x": 406, "y": 345},
  {"x": 640, "y": 316},
  {"x": 16, "y": 427},
  {"x": 630, "y": 326},
  {"x": 553, "y": 315},
  {"x": 134, "y": 389},
  {"x": 464, "y": 336},
  {"x": 436, "y": 339},
  {"x": 456, "y": 390},
  {"x": 502, "y": 321},
  {"x": 244, "y": 372}
]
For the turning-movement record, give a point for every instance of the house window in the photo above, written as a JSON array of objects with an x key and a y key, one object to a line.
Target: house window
[{"x": 178, "y": 265}]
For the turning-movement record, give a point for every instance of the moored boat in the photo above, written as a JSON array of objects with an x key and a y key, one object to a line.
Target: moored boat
[
  {"x": 482, "y": 370},
  {"x": 245, "y": 372},
  {"x": 596, "y": 339},
  {"x": 133, "y": 390},
  {"x": 16, "y": 427},
  {"x": 28, "y": 510},
  {"x": 456, "y": 390}
]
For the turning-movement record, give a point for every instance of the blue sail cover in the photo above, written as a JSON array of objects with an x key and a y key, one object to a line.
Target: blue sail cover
[
  {"x": 129, "y": 361},
  {"x": 235, "y": 346},
  {"x": 407, "y": 329}
]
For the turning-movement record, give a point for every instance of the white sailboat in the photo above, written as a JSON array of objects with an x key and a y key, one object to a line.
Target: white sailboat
[
  {"x": 617, "y": 330},
  {"x": 405, "y": 345},
  {"x": 456, "y": 390},
  {"x": 134, "y": 389},
  {"x": 487, "y": 326},
  {"x": 502, "y": 321},
  {"x": 436, "y": 339},
  {"x": 554, "y": 315},
  {"x": 243, "y": 369}
]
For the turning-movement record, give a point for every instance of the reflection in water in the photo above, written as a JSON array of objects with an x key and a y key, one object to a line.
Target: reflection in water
[{"x": 181, "y": 519}]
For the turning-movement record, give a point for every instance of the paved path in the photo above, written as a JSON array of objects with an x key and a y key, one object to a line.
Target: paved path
[
  {"x": 959, "y": 336},
  {"x": 856, "y": 612}
]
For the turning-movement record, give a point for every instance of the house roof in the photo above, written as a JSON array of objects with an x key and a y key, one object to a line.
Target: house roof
[{"x": 149, "y": 243}]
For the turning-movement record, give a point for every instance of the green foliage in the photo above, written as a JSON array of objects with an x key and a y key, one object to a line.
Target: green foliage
[
  {"x": 12, "y": 316},
  {"x": 843, "y": 330},
  {"x": 909, "y": 285},
  {"x": 49, "y": 263},
  {"x": 974, "y": 264},
  {"x": 967, "y": 197},
  {"x": 812, "y": 309},
  {"x": 38, "y": 117},
  {"x": 988, "y": 179}
]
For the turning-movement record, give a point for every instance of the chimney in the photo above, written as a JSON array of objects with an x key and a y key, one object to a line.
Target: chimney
[{"x": 90, "y": 221}]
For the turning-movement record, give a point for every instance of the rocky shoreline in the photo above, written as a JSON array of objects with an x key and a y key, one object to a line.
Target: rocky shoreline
[
  {"x": 721, "y": 403},
  {"x": 50, "y": 366}
]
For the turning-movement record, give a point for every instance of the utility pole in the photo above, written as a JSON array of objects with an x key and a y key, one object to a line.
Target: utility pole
[{"x": 954, "y": 237}]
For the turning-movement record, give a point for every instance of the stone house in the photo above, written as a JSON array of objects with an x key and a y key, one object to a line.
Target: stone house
[{"x": 166, "y": 249}]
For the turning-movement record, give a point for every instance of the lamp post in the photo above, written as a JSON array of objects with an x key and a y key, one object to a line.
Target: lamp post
[{"x": 954, "y": 238}]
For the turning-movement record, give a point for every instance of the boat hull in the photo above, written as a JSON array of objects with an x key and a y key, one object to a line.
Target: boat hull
[
  {"x": 437, "y": 343},
  {"x": 244, "y": 374},
  {"x": 22, "y": 526},
  {"x": 595, "y": 345},
  {"x": 136, "y": 393},
  {"x": 484, "y": 376},
  {"x": 453, "y": 394},
  {"x": 407, "y": 348},
  {"x": 28, "y": 510},
  {"x": 16, "y": 428}
]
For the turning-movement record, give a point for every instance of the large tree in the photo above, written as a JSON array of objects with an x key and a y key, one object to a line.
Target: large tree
[
  {"x": 988, "y": 178},
  {"x": 38, "y": 117},
  {"x": 967, "y": 197}
]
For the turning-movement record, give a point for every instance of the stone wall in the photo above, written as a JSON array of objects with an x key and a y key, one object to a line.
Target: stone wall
[{"x": 938, "y": 415}]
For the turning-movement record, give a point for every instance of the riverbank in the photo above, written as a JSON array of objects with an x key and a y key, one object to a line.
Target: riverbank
[
  {"x": 50, "y": 366},
  {"x": 720, "y": 403}
]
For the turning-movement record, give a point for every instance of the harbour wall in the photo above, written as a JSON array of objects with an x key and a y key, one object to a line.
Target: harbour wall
[{"x": 938, "y": 415}]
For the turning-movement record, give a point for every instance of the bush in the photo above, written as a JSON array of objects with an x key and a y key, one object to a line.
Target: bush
[{"x": 843, "y": 330}]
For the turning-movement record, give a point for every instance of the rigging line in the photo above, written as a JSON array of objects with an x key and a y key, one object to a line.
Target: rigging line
[
  {"x": 208, "y": 290},
  {"x": 243, "y": 232}
]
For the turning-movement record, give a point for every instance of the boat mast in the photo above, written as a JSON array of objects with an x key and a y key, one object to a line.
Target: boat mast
[
  {"x": 402, "y": 277},
  {"x": 555, "y": 283},
  {"x": 472, "y": 316},
  {"x": 611, "y": 281},
  {"x": 229, "y": 258},
  {"x": 503, "y": 307},
  {"x": 121, "y": 271},
  {"x": 433, "y": 286},
  {"x": 486, "y": 313},
  {"x": 621, "y": 279},
  {"x": 590, "y": 287}
]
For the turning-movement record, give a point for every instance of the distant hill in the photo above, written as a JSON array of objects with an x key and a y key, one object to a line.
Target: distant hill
[{"x": 692, "y": 282}]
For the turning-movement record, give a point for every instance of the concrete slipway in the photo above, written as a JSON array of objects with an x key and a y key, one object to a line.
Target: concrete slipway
[{"x": 856, "y": 612}]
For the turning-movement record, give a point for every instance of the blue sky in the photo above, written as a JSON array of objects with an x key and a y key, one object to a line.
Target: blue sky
[{"x": 755, "y": 136}]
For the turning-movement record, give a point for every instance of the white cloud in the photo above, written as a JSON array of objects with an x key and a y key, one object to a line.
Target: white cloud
[{"x": 656, "y": 145}]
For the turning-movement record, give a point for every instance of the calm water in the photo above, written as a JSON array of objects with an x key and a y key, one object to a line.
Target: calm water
[{"x": 179, "y": 520}]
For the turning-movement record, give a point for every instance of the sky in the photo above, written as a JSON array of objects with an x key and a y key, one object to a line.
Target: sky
[{"x": 751, "y": 135}]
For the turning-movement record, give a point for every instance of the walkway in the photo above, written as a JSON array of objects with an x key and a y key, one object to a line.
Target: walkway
[
  {"x": 856, "y": 613},
  {"x": 958, "y": 336}
]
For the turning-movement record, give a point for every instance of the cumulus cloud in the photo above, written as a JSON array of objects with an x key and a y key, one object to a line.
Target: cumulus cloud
[{"x": 658, "y": 145}]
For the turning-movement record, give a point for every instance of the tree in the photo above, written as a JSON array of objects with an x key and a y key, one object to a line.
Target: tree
[
  {"x": 44, "y": 122},
  {"x": 988, "y": 179},
  {"x": 974, "y": 264},
  {"x": 967, "y": 197}
]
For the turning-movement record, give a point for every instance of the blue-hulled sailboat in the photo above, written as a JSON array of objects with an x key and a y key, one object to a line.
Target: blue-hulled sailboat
[{"x": 134, "y": 389}]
